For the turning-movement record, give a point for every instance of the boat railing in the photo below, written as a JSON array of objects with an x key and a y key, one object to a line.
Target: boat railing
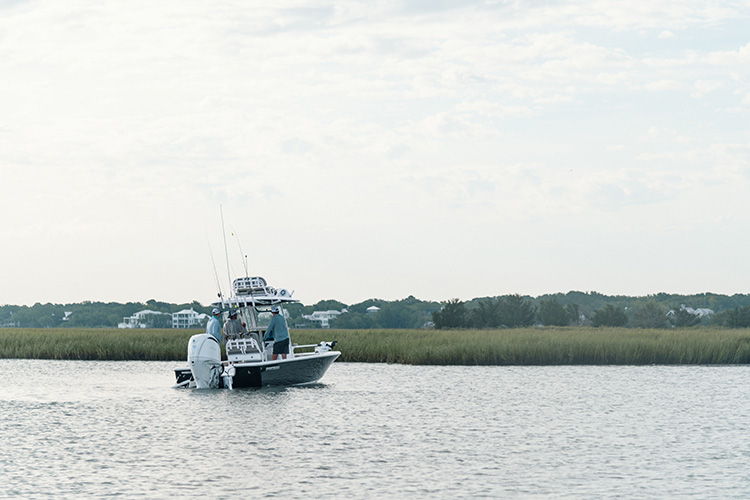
[
  {"x": 293, "y": 347},
  {"x": 249, "y": 348},
  {"x": 317, "y": 348}
]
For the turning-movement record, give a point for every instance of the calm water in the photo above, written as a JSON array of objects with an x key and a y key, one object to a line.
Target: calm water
[{"x": 102, "y": 429}]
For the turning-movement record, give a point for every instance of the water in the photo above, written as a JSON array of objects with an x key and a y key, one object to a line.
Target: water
[{"x": 116, "y": 429}]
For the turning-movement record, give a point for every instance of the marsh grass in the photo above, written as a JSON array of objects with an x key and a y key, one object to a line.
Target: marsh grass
[
  {"x": 543, "y": 346},
  {"x": 523, "y": 346},
  {"x": 154, "y": 345}
]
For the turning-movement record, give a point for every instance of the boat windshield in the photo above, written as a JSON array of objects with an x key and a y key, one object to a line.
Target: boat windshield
[{"x": 263, "y": 316}]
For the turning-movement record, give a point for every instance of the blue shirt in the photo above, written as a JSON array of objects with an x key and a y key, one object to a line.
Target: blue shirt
[
  {"x": 214, "y": 328},
  {"x": 277, "y": 329}
]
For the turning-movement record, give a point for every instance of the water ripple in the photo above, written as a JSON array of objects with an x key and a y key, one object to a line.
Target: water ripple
[{"x": 117, "y": 429}]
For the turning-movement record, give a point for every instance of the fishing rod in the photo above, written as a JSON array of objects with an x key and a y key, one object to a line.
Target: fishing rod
[
  {"x": 247, "y": 273},
  {"x": 242, "y": 254},
  {"x": 226, "y": 252},
  {"x": 213, "y": 262}
]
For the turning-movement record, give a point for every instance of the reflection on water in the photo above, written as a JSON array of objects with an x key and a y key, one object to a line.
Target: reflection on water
[{"x": 79, "y": 429}]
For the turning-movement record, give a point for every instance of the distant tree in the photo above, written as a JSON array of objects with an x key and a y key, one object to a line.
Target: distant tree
[
  {"x": 159, "y": 321},
  {"x": 739, "y": 317},
  {"x": 26, "y": 317},
  {"x": 680, "y": 317},
  {"x": 552, "y": 313},
  {"x": 362, "y": 306},
  {"x": 609, "y": 315},
  {"x": 452, "y": 315},
  {"x": 354, "y": 321},
  {"x": 516, "y": 311},
  {"x": 393, "y": 315},
  {"x": 486, "y": 315},
  {"x": 166, "y": 307},
  {"x": 295, "y": 310},
  {"x": 329, "y": 305},
  {"x": 650, "y": 315},
  {"x": 573, "y": 311}
]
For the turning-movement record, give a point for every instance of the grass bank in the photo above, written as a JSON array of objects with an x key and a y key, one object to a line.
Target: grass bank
[
  {"x": 90, "y": 343},
  {"x": 548, "y": 346},
  {"x": 523, "y": 346}
]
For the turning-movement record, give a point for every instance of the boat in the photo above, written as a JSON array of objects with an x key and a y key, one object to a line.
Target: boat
[{"x": 249, "y": 360}]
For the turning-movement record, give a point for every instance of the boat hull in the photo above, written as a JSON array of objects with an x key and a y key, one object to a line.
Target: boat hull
[{"x": 304, "y": 369}]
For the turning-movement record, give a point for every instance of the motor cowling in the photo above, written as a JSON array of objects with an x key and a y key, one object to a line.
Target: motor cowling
[{"x": 204, "y": 359}]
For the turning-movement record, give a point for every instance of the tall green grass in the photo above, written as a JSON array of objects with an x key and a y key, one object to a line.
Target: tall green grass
[
  {"x": 542, "y": 346},
  {"x": 526, "y": 346},
  {"x": 65, "y": 343}
]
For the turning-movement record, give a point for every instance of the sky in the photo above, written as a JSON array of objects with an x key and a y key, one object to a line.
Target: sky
[{"x": 360, "y": 149}]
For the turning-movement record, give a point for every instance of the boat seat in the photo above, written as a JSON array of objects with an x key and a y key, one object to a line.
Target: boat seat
[
  {"x": 253, "y": 336},
  {"x": 243, "y": 346},
  {"x": 233, "y": 347}
]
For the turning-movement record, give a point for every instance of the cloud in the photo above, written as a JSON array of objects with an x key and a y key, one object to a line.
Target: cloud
[
  {"x": 662, "y": 85},
  {"x": 729, "y": 58},
  {"x": 346, "y": 118},
  {"x": 703, "y": 87}
]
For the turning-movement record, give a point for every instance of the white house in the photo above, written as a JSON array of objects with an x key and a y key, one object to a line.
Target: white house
[
  {"x": 187, "y": 318},
  {"x": 700, "y": 312},
  {"x": 323, "y": 317},
  {"x": 372, "y": 309},
  {"x": 137, "y": 320}
]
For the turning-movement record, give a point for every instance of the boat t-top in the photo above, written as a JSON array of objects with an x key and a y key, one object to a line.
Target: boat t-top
[{"x": 249, "y": 360}]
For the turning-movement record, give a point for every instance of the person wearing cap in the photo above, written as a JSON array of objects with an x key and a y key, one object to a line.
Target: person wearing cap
[
  {"x": 233, "y": 327},
  {"x": 278, "y": 331},
  {"x": 213, "y": 327}
]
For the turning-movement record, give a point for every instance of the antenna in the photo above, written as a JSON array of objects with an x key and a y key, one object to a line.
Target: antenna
[{"x": 226, "y": 252}]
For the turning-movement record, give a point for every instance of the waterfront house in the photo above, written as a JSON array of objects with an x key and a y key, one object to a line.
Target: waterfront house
[
  {"x": 141, "y": 319},
  {"x": 188, "y": 318},
  {"x": 323, "y": 317}
]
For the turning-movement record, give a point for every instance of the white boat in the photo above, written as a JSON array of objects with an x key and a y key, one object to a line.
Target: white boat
[{"x": 249, "y": 360}]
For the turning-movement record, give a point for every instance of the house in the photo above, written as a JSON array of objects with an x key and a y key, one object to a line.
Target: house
[
  {"x": 187, "y": 318},
  {"x": 700, "y": 312},
  {"x": 141, "y": 319},
  {"x": 323, "y": 317},
  {"x": 372, "y": 309}
]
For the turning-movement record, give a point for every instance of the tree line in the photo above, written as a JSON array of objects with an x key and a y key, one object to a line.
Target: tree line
[
  {"x": 89, "y": 314},
  {"x": 514, "y": 311},
  {"x": 572, "y": 308}
]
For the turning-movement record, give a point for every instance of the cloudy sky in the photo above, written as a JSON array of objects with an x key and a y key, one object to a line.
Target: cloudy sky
[{"x": 366, "y": 149}]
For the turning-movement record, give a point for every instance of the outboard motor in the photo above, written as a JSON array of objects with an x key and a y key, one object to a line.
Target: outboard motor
[
  {"x": 228, "y": 376},
  {"x": 204, "y": 358}
]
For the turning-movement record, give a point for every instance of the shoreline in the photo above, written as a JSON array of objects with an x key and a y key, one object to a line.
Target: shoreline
[{"x": 506, "y": 347}]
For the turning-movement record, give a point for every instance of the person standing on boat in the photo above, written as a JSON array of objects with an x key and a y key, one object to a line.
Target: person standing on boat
[
  {"x": 278, "y": 331},
  {"x": 213, "y": 327},
  {"x": 233, "y": 327}
]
